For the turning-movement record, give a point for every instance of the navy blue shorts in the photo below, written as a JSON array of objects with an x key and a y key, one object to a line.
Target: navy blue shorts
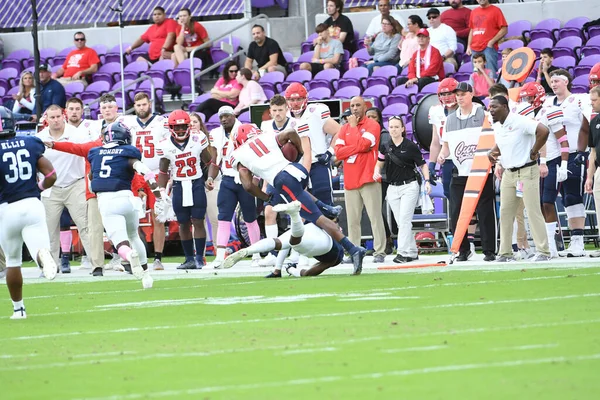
[
  {"x": 549, "y": 184},
  {"x": 290, "y": 189},
  {"x": 571, "y": 190},
  {"x": 65, "y": 219},
  {"x": 198, "y": 210},
  {"x": 320, "y": 183},
  {"x": 335, "y": 255},
  {"x": 271, "y": 190},
  {"x": 447, "y": 168},
  {"x": 230, "y": 194}
]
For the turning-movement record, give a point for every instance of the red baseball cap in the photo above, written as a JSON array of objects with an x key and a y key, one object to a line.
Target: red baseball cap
[{"x": 423, "y": 31}]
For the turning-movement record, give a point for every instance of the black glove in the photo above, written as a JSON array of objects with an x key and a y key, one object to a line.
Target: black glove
[
  {"x": 580, "y": 158},
  {"x": 324, "y": 158},
  {"x": 432, "y": 176}
]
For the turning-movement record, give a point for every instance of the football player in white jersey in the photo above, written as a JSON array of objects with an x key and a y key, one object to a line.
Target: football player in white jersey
[
  {"x": 588, "y": 115},
  {"x": 260, "y": 155},
  {"x": 147, "y": 130},
  {"x": 231, "y": 191},
  {"x": 556, "y": 155},
  {"x": 74, "y": 112},
  {"x": 572, "y": 187},
  {"x": 314, "y": 124},
  {"x": 308, "y": 240},
  {"x": 182, "y": 154}
]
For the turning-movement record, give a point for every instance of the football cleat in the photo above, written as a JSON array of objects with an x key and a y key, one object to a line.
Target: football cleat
[{"x": 233, "y": 259}]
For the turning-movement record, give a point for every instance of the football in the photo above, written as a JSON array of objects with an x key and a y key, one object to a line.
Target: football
[{"x": 289, "y": 151}]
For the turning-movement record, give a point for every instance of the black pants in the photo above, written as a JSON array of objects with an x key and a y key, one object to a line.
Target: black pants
[
  {"x": 421, "y": 83},
  {"x": 211, "y": 107},
  {"x": 486, "y": 212},
  {"x": 384, "y": 187}
]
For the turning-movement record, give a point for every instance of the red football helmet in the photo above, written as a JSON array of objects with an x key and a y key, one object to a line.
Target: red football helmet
[
  {"x": 532, "y": 93},
  {"x": 245, "y": 132},
  {"x": 297, "y": 97},
  {"x": 179, "y": 125},
  {"x": 594, "y": 76},
  {"x": 446, "y": 92}
]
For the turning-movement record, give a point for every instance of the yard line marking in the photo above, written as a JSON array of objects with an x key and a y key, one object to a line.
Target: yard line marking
[
  {"x": 294, "y": 317},
  {"x": 409, "y": 349},
  {"x": 368, "y": 376},
  {"x": 7, "y": 356},
  {"x": 307, "y": 351},
  {"x": 526, "y": 347},
  {"x": 108, "y": 354}
]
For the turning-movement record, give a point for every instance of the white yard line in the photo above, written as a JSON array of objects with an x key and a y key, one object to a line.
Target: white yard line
[
  {"x": 307, "y": 351},
  {"x": 411, "y": 349},
  {"x": 370, "y": 376},
  {"x": 526, "y": 347}
]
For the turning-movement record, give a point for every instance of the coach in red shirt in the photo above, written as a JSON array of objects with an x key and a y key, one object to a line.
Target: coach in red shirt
[
  {"x": 79, "y": 64},
  {"x": 488, "y": 26},
  {"x": 161, "y": 36},
  {"x": 357, "y": 144}
]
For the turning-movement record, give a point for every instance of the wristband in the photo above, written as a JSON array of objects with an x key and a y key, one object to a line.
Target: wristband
[
  {"x": 210, "y": 178},
  {"x": 564, "y": 164},
  {"x": 564, "y": 150},
  {"x": 41, "y": 185},
  {"x": 50, "y": 174},
  {"x": 563, "y": 138},
  {"x": 542, "y": 160},
  {"x": 163, "y": 173},
  {"x": 150, "y": 176}
]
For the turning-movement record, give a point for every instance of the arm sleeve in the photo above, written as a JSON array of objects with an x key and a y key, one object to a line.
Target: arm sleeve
[{"x": 79, "y": 149}]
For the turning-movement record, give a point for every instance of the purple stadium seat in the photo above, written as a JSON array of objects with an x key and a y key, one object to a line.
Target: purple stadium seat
[
  {"x": 544, "y": 29},
  {"x": 573, "y": 27},
  {"x": 140, "y": 51},
  {"x": 304, "y": 57},
  {"x": 449, "y": 69},
  {"x": 110, "y": 72},
  {"x": 319, "y": 93},
  {"x": 325, "y": 78},
  {"x": 466, "y": 67},
  {"x": 306, "y": 46},
  {"x": 347, "y": 92},
  {"x": 567, "y": 46},
  {"x": 301, "y": 76},
  {"x": 73, "y": 89},
  {"x": 129, "y": 90},
  {"x": 591, "y": 47},
  {"x": 284, "y": 4},
  {"x": 353, "y": 77},
  {"x": 101, "y": 50},
  {"x": 402, "y": 94},
  {"x": 8, "y": 96},
  {"x": 289, "y": 57},
  {"x": 162, "y": 69},
  {"x": 114, "y": 54},
  {"x": 586, "y": 64},
  {"x": 181, "y": 74},
  {"x": 541, "y": 43},
  {"x": 382, "y": 76},
  {"x": 133, "y": 70},
  {"x": 244, "y": 117},
  {"x": 2, "y": 91},
  {"x": 565, "y": 62},
  {"x": 362, "y": 55},
  {"x": 396, "y": 109},
  {"x": 95, "y": 90},
  {"x": 9, "y": 78},
  {"x": 269, "y": 93},
  {"x": 513, "y": 44},
  {"x": 517, "y": 28},
  {"x": 16, "y": 59},
  {"x": 145, "y": 87},
  {"x": 430, "y": 88},
  {"x": 271, "y": 79},
  {"x": 46, "y": 56},
  {"x": 593, "y": 31},
  {"x": 581, "y": 80},
  {"x": 378, "y": 93}
]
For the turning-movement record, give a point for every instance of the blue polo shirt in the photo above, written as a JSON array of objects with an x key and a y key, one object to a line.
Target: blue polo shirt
[{"x": 53, "y": 93}]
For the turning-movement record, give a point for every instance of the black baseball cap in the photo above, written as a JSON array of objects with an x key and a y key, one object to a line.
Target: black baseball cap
[
  {"x": 464, "y": 87},
  {"x": 433, "y": 11},
  {"x": 45, "y": 67},
  {"x": 346, "y": 113}
]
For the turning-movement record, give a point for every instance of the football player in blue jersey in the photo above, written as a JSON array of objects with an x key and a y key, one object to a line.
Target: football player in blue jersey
[
  {"x": 112, "y": 169},
  {"x": 22, "y": 214}
]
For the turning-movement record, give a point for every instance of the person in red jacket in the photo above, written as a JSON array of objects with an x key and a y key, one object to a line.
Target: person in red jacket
[
  {"x": 357, "y": 145},
  {"x": 426, "y": 65}
]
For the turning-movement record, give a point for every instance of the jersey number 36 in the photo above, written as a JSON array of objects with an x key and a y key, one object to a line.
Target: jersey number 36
[{"x": 18, "y": 165}]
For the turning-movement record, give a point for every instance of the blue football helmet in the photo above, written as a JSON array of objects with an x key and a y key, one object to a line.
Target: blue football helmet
[
  {"x": 117, "y": 133},
  {"x": 7, "y": 123}
]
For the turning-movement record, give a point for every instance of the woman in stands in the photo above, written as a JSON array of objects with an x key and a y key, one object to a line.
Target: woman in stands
[
  {"x": 399, "y": 161},
  {"x": 251, "y": 93},
  {"x": 384, "y": 48},
  {"x": 409, "y": 44},
  {"x": 225, "y": 93},
  {"x": 25, "y": 100}
]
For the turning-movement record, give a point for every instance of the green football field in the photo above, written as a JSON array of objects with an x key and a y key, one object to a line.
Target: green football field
[{"x": 521, "y": 334}]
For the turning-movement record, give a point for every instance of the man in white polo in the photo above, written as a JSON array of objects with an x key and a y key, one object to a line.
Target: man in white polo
[
  {"x": 69, "y": 189},
  {"x": 518, "y": 140}
]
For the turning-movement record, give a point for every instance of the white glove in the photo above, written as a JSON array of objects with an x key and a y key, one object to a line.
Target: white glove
[
  {"x": 562, "y": 173},
  {"x": 161, "y": 209}
]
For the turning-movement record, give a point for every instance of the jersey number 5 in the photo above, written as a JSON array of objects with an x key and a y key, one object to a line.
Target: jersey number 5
[
  {"x": 190, "y": 163},
  {"x": 145, "y": 144},
  {"x": 105, "y": 169},
  {"x": 19, "y": 166}
]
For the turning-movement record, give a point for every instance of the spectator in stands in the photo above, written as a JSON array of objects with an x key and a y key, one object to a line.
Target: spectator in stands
[
  {"x": 52, "y": 91},
  {"x": 501, "y": 79},
  {"x": 24, "y": 106},
  {"x": 251, "y": 93},
  {"x": 357, "y": 145},
  {"x": 545, "y": 68},
  {"x": 328, "y": 52},
  {"x": 266, "y": 52},
  {"x": 488, "y": 26},
  {"x": 225, "y": 92},
  {"x": 340, "y": 26},
  {"x": 375, "y": 25},
  {"x": 80, "y": 63},
  {"x": 189, "y": 35},
  {"x": 481, "y": 79},
  {"x": 385, "y": 47},
  {"x": 409, "y": 43},
  {"x": 458, "y": 18},
  {"x": 426, "y": 65},
  {"x": 442, "y": 37},
  {"x": 161, "y": 36}
]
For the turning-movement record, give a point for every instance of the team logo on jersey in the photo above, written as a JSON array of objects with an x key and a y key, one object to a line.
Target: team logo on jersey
[
  {"x": 194, "y": 138},
  {"x": 464, "y": 152},
  {"x": 311, "y": 109},
  {"x": 571, "y": 99}
]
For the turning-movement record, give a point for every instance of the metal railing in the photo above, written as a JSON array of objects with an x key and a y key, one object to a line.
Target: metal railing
[
  {"x": 86, "y": 107},
  {"x": 231, "y": 55}
]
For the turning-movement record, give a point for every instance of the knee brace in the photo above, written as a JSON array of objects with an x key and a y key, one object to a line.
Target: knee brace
[{"x": 575, "y": 211}]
